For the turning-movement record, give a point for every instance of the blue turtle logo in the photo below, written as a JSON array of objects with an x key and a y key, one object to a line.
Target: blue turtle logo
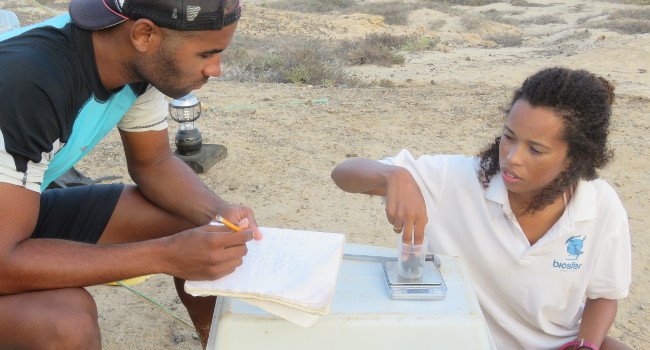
[{"x": 574, "y": 246}]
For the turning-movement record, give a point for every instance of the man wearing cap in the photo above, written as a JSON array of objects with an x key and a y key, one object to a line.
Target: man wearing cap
[{"x": 65, "y": 83}]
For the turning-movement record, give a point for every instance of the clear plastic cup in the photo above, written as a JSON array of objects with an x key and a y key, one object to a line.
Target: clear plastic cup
[{"x": 410, "y": 258}]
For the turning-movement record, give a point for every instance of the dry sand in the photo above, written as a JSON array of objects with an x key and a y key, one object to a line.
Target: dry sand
[{"x": 283, "y": 140}]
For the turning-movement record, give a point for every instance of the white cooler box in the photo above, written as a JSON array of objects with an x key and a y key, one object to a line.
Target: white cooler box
[{"x": 363, "y": 316}]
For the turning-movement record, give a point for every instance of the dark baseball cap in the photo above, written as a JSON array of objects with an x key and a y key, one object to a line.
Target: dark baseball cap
[{"x": 183, "y": 15}]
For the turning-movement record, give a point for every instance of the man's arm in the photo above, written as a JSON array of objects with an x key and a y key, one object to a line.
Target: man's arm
[
  {"x": 30, "y": 264},
  {"x": 172, "y": 185},
  {"x": 35, "y": 264}
]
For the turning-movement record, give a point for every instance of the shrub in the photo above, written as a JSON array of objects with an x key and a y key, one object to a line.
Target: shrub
[
  {"x": 628, "y": 26},
  {"x": 496, "y": 16},
  {"x": 299, "y": 62},
  {"x": 471, "y": 23},
  {"x": 380, "y": 55},
  {"x": 394, "y": 12},
  {"x": 576, "y": 35},
  {"x": 374, "y": 49},
  {"x": 543, "y": 19},
  {"x": 584, "y": 19},
  {"x": 387, "y": 83},
  {"x": 472, "y": 2},
  {"x": 506, "y": 39},
  {"x": 437, "y": 24},
  {"x": 637, "y": 2},
  {"x": 527, "y": 4},
  {"x": 388, "y": 40},
  {"x": 640, "y": 14},
  {"x": 627, "y": 21},
  {"x": 420, "y": 43},
  {"x": 317, "y": 6}
]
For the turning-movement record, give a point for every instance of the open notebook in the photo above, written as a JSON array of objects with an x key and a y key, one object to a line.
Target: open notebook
[{"x": 289, "y": 273}]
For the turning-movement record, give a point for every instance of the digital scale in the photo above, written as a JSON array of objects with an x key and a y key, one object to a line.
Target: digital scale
[{"x": 431, "y": 286}]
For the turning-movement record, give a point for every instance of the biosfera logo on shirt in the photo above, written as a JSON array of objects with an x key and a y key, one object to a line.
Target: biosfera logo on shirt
[{"x": 574, "y": 248}]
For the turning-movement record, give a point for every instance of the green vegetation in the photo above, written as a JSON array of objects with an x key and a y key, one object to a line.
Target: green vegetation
[{"x": 419, "y": 43}]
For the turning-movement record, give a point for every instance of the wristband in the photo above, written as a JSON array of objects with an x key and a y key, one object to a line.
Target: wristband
[{"x": 579, "y": 343}]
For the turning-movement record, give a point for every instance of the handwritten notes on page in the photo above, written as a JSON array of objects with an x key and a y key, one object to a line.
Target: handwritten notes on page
[{"x": 290, "y": 273}]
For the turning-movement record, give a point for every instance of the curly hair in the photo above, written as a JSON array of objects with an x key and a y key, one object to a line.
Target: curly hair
[{"x": 584, "y": 102}]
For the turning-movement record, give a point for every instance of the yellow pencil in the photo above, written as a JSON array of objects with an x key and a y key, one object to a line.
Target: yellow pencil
[{"x": 227, "y": 223}]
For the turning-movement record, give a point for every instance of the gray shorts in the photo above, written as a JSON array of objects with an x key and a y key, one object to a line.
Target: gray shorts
[{"x": 76, "y": 213}]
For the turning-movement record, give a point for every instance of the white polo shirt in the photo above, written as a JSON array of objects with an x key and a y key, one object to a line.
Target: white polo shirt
[{"x": 532, "y": 296}]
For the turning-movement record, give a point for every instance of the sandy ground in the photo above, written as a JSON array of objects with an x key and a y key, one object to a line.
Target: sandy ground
[{"x": 283, "y": 140}]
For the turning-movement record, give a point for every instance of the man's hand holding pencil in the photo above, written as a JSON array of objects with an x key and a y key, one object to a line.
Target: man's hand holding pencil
[
  {"x": 211, "y": 251},
  {"x": 237, "y": 218}
]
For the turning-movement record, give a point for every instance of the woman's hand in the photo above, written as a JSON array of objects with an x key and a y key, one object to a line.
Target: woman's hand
[{"x": 405, "y": 207}]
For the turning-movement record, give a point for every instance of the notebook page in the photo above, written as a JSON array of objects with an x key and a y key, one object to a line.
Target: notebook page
[{"x": 292, "y": 267}]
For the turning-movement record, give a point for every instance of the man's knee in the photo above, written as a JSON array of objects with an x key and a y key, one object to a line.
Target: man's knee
[{"x": 76, "y": 325}]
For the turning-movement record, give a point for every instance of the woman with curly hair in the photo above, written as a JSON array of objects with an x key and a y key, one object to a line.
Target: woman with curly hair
[{"x": 546, "y": 242}]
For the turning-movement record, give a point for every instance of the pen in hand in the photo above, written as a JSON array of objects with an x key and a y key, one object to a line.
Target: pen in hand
[
  {"x": 257, "y": 235},
  {"x": 227, "y": 223}
]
